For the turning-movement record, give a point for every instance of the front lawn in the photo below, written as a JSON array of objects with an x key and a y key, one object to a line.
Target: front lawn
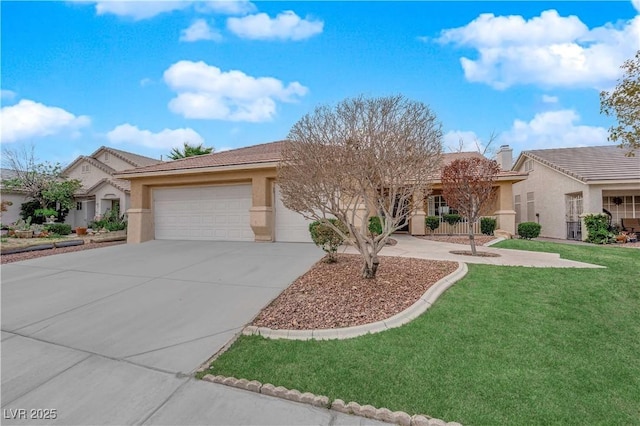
[{"x": 505, "y": 345}]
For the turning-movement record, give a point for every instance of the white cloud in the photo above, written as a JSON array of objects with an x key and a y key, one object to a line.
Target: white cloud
[
  {"x": 461, "y": 140},
  {"x": 547, "y": 99},
  {"x": 165, "y": 139},
  {"x": 549, "y": 50},
  {"x": 636, "y": 5},
  {"x": 139, "y": 10},
  {"x": 226, "y": 7},
  {"x": 28, "y": 119},
  {"x": 200, "y": 30},
  {"x": 287, "y": 25},
  {"x": 7, "y": 94},
  {"x": 553, "y": 129},
  {"x": 206, "y": 92}
]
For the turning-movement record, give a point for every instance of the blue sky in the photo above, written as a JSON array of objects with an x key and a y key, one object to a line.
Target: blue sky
[{"x": 145, "y": 76}]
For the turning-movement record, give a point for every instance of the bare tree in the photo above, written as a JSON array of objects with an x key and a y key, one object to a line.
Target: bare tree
[
  {"x": 467, "y": 186},
  {"x": 41, "y": 181},
  {"x": 364, "y": 157}
]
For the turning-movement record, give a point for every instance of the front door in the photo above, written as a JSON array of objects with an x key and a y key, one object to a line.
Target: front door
[{"x": 573, "y": 212}]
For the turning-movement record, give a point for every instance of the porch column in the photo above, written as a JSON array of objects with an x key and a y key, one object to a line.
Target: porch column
[
  {"x": 140, "y": 227},
  {"x": 261, "y": 212},
  {"x": 417, "y": 225},
  {"x": 505, "y": 214}
]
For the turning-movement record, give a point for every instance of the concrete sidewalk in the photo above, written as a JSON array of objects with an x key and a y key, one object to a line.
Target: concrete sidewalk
[{"x": 409, "y": 246}]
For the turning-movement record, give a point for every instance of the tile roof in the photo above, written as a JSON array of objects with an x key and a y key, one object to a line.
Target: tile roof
[
  {"x": 122, "y": 185},
  {"x": 256, "y": 154},
  {"x": 591, "y": 163},
  {"x": 135, "y": 160}
]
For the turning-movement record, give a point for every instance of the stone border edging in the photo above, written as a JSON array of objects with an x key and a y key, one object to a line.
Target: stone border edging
[
  {"x": 495, "y": 241},
  {"x": 44, "y": 246},
  {"x": 401, "y": 318},
  {"x": 368, "y": 411}
]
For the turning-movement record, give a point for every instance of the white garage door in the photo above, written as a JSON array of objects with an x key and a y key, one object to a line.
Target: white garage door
[
  {"x": 216, "y": 213},
  {"x": 290, "y": 226}
]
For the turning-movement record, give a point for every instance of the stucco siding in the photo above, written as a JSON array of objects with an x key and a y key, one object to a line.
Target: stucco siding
[
  {"x": 549, "y": 189},
  {"x": 88, "y": 179},
  {"x": 113, "y": 161},
  {"x": 13, "y": 211}
]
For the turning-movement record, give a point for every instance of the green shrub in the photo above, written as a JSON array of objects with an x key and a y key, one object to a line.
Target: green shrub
[
  {"x": 432, "y": 222},
  {"x": 28, "y": 210},
  {"x": 452, "y": 218},
  {"x": 45, "y": 213},
  {"x": 375, "y": 225},
  {"x": 529, "y": 230},
  {"x": 488, "y": 225},
  {"x": 598, "y": 229},
  {"x": 58, "y": 228},
  {"x": 325, "y": 237},
  {"x": 111, "y": 222}
]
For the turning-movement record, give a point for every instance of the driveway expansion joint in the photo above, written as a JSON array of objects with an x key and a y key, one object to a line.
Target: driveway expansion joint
[
  {"x": 412, "y": 312},
  {"x": 321, "y": 401}
]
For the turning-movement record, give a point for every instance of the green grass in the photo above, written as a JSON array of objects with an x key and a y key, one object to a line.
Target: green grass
[{"x": 505, "y": 345}]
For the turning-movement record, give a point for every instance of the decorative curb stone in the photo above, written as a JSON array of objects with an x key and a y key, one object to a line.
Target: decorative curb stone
[
  {"x": 409, "y": 314},
  {"x": 383, "y": 414}
]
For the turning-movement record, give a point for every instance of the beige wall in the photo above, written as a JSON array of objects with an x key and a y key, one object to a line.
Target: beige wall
[
  {"x": 140, "y": 208},
  {"x": 90, "y": 178},
  {"x": 550, "y": 189},
  {"x": 113, "y": 161},
  {"x": 140, "y": 212},
  {"x": 13, "y": 211}
]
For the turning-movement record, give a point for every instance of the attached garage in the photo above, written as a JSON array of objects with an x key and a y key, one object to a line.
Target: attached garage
[
  {"x": 215, "y": 213},
  {"x": 289, "y": 226}
]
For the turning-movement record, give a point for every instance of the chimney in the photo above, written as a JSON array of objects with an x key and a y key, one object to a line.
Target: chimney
[{"x": 504, "y": 157}]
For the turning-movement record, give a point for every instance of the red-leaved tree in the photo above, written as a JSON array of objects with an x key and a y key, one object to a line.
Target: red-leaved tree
[{"x": 467, "y": 186}]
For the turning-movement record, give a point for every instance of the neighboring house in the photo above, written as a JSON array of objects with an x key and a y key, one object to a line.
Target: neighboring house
[
  {"x": 565, "y": 183},
  {"x": 233, "y": 196},
  {"x": 100, "y": 190},
  {"x": 16, "y": 197}
]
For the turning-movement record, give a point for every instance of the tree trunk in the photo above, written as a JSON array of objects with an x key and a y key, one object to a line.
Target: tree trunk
[
  {"x": 370, "y": 264},
  {"x": 369, "y": 270},
  {"x": 472, "y": 240}
]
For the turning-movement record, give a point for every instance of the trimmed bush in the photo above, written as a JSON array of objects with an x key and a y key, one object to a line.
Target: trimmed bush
[
  {"x": 375, "y": 225},
  {"x": 598, "y": 229},
  {"x": 452, "y": 218},
  {"x": 58, "y": 228},
  {"x": 529, "y": 230},
  {"x": 325, "y": 237},
  {"x": 488, "y": 225},
  {"x": 432, "y": 222}
]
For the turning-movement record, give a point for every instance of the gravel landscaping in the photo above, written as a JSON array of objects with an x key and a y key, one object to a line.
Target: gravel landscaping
[{"x": 334, "y": 295}]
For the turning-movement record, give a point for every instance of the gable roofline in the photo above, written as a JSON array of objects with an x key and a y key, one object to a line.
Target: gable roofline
[
  {"x": 136, "y": 160},
  {"x": 104, "y": 181},
  {"x": 91, "y": 161},
  {"x": 588, "y": 165}
]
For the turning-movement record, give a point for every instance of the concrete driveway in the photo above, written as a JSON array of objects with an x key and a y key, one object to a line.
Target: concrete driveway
[{"x": 110, "y": 336}]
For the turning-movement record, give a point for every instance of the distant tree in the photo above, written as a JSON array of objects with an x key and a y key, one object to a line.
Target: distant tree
[
  {"x": 364, "y": 157},
  {"x": 42, "y": 182},
  {"x": 467, "y": 186},
  {"x": 624, "y": 103},
  {"x": 189, "y": 151}
]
